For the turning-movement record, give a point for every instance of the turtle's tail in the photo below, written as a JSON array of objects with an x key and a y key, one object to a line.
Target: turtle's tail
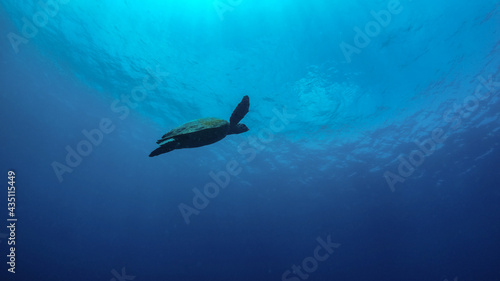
[{"x": 169, "y": 146}]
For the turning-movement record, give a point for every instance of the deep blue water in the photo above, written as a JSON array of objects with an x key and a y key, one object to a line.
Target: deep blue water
[{"x": 373, "y": 151}]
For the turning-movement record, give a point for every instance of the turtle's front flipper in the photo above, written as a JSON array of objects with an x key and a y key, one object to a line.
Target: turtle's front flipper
[
  {"x": 240, "y": 111},
  {"x": 167, "y": 147}
]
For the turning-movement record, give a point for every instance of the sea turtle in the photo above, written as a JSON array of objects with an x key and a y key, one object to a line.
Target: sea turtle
[{"x": 203, "y": 131}]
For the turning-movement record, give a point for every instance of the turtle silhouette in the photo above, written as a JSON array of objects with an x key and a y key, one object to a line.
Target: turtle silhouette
[{"x": 203, "y": 131}]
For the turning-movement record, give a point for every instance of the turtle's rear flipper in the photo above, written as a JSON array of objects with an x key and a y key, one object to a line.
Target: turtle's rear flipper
[
  {"x": 240, "y": 111},
  {"x": 169, "y": 146}
]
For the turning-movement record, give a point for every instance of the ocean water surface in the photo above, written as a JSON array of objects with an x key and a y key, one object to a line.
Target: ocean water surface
[{"x": 373, "y": 151}]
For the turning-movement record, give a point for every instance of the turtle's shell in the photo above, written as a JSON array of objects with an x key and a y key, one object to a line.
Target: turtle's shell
[{"x": 198, "y": 132}]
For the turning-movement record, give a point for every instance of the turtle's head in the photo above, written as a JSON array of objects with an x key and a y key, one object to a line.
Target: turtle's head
[{"x": 238, "y": 129}]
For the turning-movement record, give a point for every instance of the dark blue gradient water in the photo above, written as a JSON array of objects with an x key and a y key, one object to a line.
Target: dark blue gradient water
[{"x": 373, "y": 149}]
